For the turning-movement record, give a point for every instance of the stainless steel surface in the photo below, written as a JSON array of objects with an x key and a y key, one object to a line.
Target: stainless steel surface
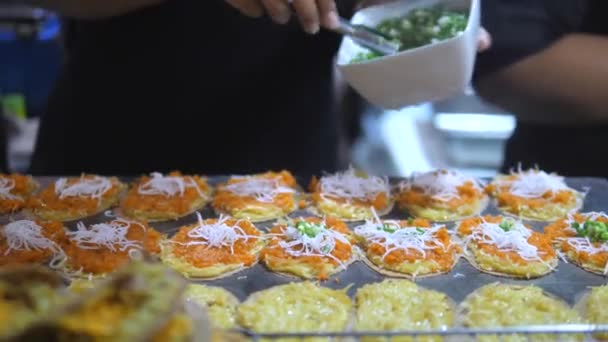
[
  {"x": 568, "y": 282},
  {"x": 368, "y": 37}
]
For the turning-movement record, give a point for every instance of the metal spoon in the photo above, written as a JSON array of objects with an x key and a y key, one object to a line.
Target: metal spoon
[
  {"x": 364, "y": 35},
  {"x": 368, "y": 37}
]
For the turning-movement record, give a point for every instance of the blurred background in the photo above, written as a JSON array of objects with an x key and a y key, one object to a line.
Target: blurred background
[{"x": 461, "y": 133}]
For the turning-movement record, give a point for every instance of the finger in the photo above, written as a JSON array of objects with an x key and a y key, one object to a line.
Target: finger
[
  {"x": 308, "y": 13},
  {"x": 278, "y": 10},
  {"x": 484, "y": 40},
  {"x": 250, "y": 8},
  {"x": 328, "y": 13}
]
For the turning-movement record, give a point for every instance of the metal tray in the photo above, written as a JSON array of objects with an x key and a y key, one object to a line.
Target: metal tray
[{"x": 568, "y": 282}]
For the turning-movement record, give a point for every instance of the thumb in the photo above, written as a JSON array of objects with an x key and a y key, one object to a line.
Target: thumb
[
  {"x": 484, "y": 40},
  {"x": 250, "y": 8}
]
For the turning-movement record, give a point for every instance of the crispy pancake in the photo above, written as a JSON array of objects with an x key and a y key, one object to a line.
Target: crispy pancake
[
  {"x": 262, "y": 197},
  {"x": 70, "y": 199},
  {"x": 442, "y": 196},
  {"x": 162, "y": 198},
  {"x": 213, "y": 248},
  {"x": 221, "y": 305},
  {"x": 501, "y": 305},
  {"x": 15, "y": 190},
  {"x": 401, "y": 305},
  {"x": 411, "y": 248},
  {"x": 588, "y": 252},
  {"x": 103, "y": 248},
  {"x": 523, "y": 253},
  {"x": 296, "y": 307},
  {"x": 31, "y": 242},
  {"x": 534, "y": 195},
  {"x": 351, "y": 196},
  {"x": 309, "y": 248}
]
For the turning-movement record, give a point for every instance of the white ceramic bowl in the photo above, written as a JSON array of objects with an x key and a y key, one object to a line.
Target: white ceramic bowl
[{"x": 428, "y": 73}]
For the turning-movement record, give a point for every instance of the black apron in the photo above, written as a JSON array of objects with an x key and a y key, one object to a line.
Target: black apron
[
  {"x": 194, "y": 86},
  {"x": 519, "y": 29}
]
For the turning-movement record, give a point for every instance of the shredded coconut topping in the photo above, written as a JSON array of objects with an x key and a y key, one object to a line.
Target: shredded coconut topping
[
  {"x": 6, "y": 185},
  {"x": 393, "y": 237},
  {"x": 321, "y": 244},
  {"x": 584, "y": 244},
  {"x": 27, "y": 235},
  {"x": 93, "y": 187},
  {"x": 262, "y": 189},
  {"x": 168, "y": 186},
  {"x": 515, "y": 239},
  {"x": 349, "y": 185},
  {"x": 112, "y": 235},
  {"x": 218, "y": 234},
  {"x": 441, "y": 185},
  {"x": 533, "y": 183}
]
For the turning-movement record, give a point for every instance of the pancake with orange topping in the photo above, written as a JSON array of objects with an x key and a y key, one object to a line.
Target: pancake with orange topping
[
  {"x": 69, "y": 199},
  {"x": 213, "y": 248},
  {"x": 442, "y": 195},
  {"x": 534, "y": 195},
  {"x": 583, "y": 238},
  {"x": 258, "y": 198},
  {"x": 103, "y": 248},
  {"x": 15, "y": 189},
  {"x": 351, "y": 195},
  {"x": 161, "y": 197},
  {"x": 310, "y": 248},
  {"x": 411, "y": 248},
  {"x": 31, "y": 242},
  {"x": 506, "y": 247}
]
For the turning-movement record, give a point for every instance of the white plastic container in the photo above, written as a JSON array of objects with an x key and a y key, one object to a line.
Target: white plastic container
[{"x": 428, "y": 73}]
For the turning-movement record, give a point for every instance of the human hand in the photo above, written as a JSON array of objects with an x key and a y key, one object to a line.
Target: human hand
[{"x": 312, "y": 14}]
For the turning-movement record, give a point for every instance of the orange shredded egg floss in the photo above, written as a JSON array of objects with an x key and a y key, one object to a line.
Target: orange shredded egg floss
[
  {"x": 331, "y": 243},
  {"x": 408, "y": 241},
  {"x": 103, "y": 247},
  {"x": 209, "y": 242}
]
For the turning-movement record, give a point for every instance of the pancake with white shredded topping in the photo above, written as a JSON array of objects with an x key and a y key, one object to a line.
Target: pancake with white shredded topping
[
  {"x": 505, "y": 246},
  {"x": 310, "y": 248},
  {"x": 161, "y": 197},
  {"x": 15, "y": 189},
  {"x": 213, "y": 248},
  {"x": 31, "y": 242},
  {"x": 535, "y": 195},
  {"x": 410, "y": 248},
  {"x": 351, "y": 195},
  {"x": 69, "y": 199},
  {"x": 583, "y": 238},
  {"x": 258, "y": 198},
  {"x": 102, "y": 248},
  {"x": 442, "y": 195}
]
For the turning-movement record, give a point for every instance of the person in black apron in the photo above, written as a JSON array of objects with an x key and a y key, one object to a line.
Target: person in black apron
[
  {"x": 543, "y": 56},
  {"x": 193, "y": 86}
]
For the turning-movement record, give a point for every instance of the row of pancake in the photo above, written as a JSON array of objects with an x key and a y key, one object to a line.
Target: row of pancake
[
  {"x": 105, "y": 310},
  {"x": 441, "y": 195},
  {"x": 313, "y": 247}
]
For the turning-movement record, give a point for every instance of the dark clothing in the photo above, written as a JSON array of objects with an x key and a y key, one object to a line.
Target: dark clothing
[
  {"x": 520, "y": 28},
  {"x": 3, "y": 145},
  {"x": 194, "y": 86}
]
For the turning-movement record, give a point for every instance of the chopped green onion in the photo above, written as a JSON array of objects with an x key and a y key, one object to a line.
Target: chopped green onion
[
  {"x": 506, "y": 225},
  {"x": 420, "y": 27}
]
